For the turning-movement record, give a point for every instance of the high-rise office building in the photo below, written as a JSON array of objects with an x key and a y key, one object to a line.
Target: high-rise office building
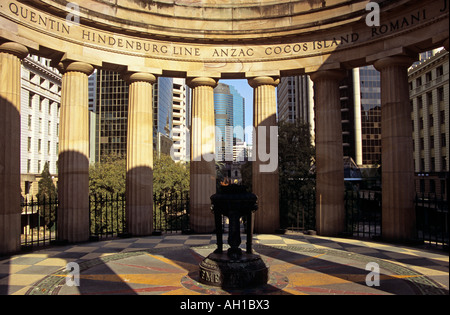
[
  {"x": 111, "y": 110},
  {"x": 429, "y": 95},
  {"x": 238, "y": 116},
  {"x": 223, "y": 115},
  {"x": 180, "y": 131},
  {"x": 229, "y": 112},
  {"x": 162, "y": 115},
  {"x": 360, "y": 111},
  {"x": 110, "y": 105},
  {"x": 39, "y": 111}
]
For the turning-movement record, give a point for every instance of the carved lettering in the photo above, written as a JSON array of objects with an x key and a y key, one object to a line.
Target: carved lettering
[
  {"x": 209, "y": 276},
  {"x": 77, "y": 32},
  {"x": 36, "y": 18}
]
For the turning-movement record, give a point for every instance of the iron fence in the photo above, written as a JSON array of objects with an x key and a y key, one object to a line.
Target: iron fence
[
  {"x": 171, "y": 215},
  {"x": 432, "y": 220},
  {"x": 363, "y": 213},
  {"x": 171, "y": 212},
  {"x": 107, "y": 216},
  {"x": 38, "y": 221},
  {"x": 298, "y": 210}
]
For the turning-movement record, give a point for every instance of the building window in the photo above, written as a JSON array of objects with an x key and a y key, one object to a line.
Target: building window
[
  {"x": 48, "y": 148},
  {"x": 30, "y": 121},
  {"x": 418, "y": 81},
  {"x": 440, "y": 95},
  {"x": 49, "y": 127},
  {"x": 39, "y": 145},
  {"x": 443, "y": 140},
  {"x": 439, "y": 71},
  {"x": 28, "y": 166},
  {"x": 29, "y": 144},
  {"x": 39, "y": 166},
  {"x": 419, "y": 102},
  {"x": 40, "y": 124},
  {"x": 30, "y": 100},
  {"x": 428, "y": 77},
  {"x": 429, "y": 98}
]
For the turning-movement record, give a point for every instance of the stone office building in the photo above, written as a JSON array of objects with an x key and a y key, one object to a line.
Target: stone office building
[{"x": 428, "y": 85}]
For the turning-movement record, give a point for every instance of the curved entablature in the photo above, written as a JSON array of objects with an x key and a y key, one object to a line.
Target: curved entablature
[{"x": 227, "y": 38}]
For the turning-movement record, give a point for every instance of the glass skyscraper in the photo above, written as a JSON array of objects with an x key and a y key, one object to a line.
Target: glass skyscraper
[
  {"x": 238, "y": 116},
  {"x": 162, "y": 115},
  {"x": 110, "y": 106},
  {"x": 229, "y": 110},
  {"x": 370, "y": 115},
  {"x": 223, "y": 113}
]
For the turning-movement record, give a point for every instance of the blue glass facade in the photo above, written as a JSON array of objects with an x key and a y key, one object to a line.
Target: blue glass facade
[
  {"x": 223, "y": 115},
  {"x": 162, "y": 114},
  {"x": 238, "y": 115}
]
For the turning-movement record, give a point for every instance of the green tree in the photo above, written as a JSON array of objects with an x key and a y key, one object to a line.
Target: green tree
[
  {"x": 46, "y": 196},
  {"x": 169, "y": 176},
  {"x": 108, "y": 176},
  {"x": 46, "y": 186},
  {"x": 296, "y": 155},
  {"x": 296, "y": 178}
]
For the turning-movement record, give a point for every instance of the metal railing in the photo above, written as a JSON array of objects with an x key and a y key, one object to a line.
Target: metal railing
[
  {"x": 107, "y": 216},
  {"x": 38, "y": 221},
  {"x": 298, "y": 210},
  {"x": 171, "y": 212},
  {"x": 171, "y": 215},
  {"x": 432, "y": 220},
  {"x": 363, "y": 213}
]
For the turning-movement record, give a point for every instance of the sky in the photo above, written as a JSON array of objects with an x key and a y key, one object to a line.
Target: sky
[{"x": 246, "y": 92}]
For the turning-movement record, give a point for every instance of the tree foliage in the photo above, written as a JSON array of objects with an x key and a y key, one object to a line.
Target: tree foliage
[
  {"x": 46, "y": 186},
  {"x": 108, "y": 176},
  {"x": 296, "y": 155},
  {"x": 169, "y": 176}
]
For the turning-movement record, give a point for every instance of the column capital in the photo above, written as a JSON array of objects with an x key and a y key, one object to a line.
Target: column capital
[
  {"x": 201, "y": 81},
  {"x": 263, "y": 80},
  {"x": 335, "y": 74},
  {"x": 15, "y": 49},
  {"x": 131, "y": 77},
  {"x": 75, "y": 66},
  {"x": 398, "y": 60}
]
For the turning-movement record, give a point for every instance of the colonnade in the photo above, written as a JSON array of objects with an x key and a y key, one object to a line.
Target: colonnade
[{"x": 73, "y": 226}]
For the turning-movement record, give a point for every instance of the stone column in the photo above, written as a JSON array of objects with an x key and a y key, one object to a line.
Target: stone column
[
  {"x": 73, "y": 161},
  {"x": 139, "y": 180},
  {"x": 398, "y": 214},
  {"x": 265, "y": 154},
  {"x": 330, "y": 210},
  {"x": 202, "y": 166},
  {"x": 11, "y": 55}
]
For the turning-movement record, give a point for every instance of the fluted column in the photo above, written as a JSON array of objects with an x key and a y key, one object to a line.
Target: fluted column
[
  {"x": 398, "y": 215},
  {"x": 265, "y": 148},
  {"x": 330, "y": 211},
  {"x": 139, "y": 180},
  {"x": 73, "y": 160},
  {"x": 11, "y": 55},
  {"x": 202, "y": 165}
]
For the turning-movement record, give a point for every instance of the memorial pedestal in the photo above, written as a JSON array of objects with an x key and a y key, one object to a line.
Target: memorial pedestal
[
  {"x": 218, "y": 269},
  {"x": 233, "y": 269}
]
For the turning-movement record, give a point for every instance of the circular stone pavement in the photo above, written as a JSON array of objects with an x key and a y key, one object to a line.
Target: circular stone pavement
[{"x": 293, "y": 270}]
